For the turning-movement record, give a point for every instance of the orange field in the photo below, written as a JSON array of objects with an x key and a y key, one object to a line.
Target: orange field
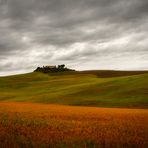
[{"x": 41, "y": 125}]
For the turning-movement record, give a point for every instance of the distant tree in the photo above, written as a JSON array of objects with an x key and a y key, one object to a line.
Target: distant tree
[
  {"x": 61, "y": 66},
  {"x": 38, "y": 69}
]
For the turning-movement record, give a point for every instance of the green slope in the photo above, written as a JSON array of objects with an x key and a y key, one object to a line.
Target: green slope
[{"x": 90, "y": 88}]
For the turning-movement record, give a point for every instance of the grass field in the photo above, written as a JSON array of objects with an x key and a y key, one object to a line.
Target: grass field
[
  {"x": 41, "y": 125},
  {"x": 70, "y": 109},
  {"x": 88, "y": 88}
]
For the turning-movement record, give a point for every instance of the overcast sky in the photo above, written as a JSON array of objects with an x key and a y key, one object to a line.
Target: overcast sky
[{"x": 83, "y": 34}]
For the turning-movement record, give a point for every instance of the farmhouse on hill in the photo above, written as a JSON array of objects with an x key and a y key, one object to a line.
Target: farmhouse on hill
[{"x": 52, "y": 68}]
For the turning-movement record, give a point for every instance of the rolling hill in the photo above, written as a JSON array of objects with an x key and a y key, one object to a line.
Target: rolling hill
[
  {"x": 35, "y": 109},
  {"x": 127, "y": 89}
]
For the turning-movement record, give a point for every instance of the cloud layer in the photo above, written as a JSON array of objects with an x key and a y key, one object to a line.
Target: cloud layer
[{"x": 84, "y": 34}]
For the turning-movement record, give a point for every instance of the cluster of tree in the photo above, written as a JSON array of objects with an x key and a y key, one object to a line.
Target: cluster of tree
[{"x": 51, "y": 69}]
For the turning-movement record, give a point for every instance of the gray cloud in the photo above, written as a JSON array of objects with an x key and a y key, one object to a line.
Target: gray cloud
[{"x": 80, "y": 33}]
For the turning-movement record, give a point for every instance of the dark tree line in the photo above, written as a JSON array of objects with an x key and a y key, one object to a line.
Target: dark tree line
[{"x": 52, "y": 69}]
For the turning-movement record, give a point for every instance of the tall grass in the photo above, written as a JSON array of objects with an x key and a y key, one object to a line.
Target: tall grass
[{"x": 40, "y": 125}]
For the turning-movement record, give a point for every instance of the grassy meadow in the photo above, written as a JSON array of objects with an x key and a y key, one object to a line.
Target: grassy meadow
[
  {"x": 89, "y": 109},
  {"x": 89, "y": 88}
]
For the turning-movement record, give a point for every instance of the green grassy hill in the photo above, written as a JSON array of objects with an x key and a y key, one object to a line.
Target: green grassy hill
[{"x": 90, "y": 88}]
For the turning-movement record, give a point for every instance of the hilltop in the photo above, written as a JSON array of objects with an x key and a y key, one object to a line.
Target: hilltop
[{"x": 53, "y": 69}]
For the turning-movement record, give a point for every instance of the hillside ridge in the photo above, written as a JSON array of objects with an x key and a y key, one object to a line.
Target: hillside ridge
[{"x": 82, "y": 88}]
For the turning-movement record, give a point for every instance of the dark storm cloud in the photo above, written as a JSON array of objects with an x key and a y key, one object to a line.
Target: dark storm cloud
[{"x": 34, "y": 32}]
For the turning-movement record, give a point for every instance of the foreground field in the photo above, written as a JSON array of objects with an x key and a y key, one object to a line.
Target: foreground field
[
  {"x": 41, "y": 125},
  {"x": 89, "y": 88}
]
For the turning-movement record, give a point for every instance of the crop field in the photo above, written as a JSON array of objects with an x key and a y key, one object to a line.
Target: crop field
[
  {"x": 43, "y": 125},
  {"x": 89, "y": 109}
]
